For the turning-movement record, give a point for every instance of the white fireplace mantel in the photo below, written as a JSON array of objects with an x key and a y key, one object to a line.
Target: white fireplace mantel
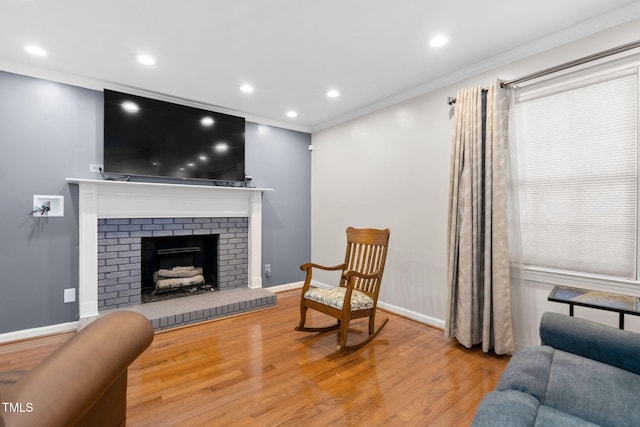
[{"x": 118, "y": 199}]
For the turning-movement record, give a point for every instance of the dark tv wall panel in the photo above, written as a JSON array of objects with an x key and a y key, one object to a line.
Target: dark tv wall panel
[{"x": 51, "y": 131}]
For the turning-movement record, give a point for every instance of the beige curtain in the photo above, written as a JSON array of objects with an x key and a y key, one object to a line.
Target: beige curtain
[{"x": 479, "y": 302}]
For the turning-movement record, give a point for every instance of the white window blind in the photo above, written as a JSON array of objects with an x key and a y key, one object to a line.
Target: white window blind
[{"x": 578, "y": 179}]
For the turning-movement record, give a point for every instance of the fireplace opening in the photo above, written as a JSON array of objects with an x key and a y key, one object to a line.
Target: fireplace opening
[{"x": 176, "y": 266}]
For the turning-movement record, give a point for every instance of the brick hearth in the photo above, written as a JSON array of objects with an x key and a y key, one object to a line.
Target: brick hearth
[{"x": 198, "y": 308}]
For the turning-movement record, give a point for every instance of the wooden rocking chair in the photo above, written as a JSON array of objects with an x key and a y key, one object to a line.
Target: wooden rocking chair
[{"x": 357, "y": 295}]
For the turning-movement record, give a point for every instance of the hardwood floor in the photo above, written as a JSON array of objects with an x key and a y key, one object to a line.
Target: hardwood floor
[{"x": 255, "y": 370}]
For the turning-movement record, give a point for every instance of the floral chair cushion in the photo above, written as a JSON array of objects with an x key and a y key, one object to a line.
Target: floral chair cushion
[{"x": 335, "y": 298}]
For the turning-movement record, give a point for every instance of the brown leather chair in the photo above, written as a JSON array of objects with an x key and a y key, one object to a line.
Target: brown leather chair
[{"x": 83, "y": 382}]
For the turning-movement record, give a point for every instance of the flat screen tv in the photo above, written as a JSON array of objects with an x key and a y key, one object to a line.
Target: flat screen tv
[{"x": 148, "y": 137}]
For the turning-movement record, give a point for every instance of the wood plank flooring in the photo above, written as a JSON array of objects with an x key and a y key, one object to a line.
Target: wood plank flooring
[{"x": 255, "y": 370}]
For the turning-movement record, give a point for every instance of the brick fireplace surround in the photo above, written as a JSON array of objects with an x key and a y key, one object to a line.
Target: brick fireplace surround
[
  {"x": 115, "y": 215},
  {"x": 119, "y": 245}
]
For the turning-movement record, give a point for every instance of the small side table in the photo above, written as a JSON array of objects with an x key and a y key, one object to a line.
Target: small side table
[{"x": 622, "y": 304}]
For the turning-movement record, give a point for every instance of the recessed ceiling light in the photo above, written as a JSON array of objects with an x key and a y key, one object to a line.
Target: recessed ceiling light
[
  {"x": 292, "y": 114},
  {"x": 35, "y": 50},
  {"x": 146, "y": 60},
  {"x": 438, "y": 41},
  {"x": 333, "y": 93},
  {"x": 246, "y": 88}
]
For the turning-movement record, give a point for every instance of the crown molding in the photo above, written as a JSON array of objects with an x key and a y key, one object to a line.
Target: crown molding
[
  {"x": 100, "y": 85},
  {"x": 560, "y": 38}
]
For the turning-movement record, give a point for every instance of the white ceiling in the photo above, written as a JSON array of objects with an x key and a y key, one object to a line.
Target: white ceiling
[{"x": 292, "y": 51}]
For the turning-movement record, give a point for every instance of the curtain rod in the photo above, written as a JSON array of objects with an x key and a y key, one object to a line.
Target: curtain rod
[{"x": 565, "y": 66}]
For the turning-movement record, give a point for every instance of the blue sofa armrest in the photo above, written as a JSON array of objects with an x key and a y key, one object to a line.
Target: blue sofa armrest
[{"x": 592, "y": 340}]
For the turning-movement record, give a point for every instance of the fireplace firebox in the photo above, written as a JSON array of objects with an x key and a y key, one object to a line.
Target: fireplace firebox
[{"x": 172, "y": 265}]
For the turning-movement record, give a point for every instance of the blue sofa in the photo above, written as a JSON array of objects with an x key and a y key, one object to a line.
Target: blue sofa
[{"x": 583, "y": 374}]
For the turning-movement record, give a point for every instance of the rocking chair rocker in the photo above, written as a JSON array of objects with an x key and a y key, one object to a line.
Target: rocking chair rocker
[{"x": 357, "y": 295}]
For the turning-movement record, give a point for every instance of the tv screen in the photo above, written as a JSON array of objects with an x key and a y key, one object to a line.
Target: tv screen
[{"x": 147, "y": 137}]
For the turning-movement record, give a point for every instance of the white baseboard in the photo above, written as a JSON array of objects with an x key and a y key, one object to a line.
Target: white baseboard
[
  {"x": 418, "y": 317},
  {"x": 296, "y": 285},
  {"x": 285, "y": 287},
  {"x": 321, "y": 285},
  {"x": 36, "y": 332}
]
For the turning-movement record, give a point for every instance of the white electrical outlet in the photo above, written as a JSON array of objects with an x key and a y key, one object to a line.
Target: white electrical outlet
[
  {"x": 93, "y": 167},
  {"x": 267, "y": 270},
  {"x": 69, "y": 295}
]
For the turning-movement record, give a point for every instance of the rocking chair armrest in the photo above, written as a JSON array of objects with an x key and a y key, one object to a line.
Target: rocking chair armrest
[
  {"x": 351, "y": 273},
  {"x": 309, "y": 265}
]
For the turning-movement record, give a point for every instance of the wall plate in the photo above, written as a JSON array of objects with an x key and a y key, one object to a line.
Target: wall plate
[
  {"x": 69, "y": 295},
  {"x": 55, "y": 203}
]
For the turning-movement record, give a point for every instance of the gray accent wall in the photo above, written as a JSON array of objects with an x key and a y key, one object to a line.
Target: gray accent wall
[
  {"x": 280, "y": 159},
  {"x": 50, "y": 131}
]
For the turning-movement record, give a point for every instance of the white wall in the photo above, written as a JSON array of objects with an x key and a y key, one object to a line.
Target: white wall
[{"x": 391, "y": 169}]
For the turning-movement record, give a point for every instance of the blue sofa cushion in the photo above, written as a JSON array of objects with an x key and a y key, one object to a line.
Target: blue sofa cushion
[
  {"x": 507, "y": 408},
  {"x": 594, "y": 391},
  {"x": 593, "y": 340},
  {"x": 528, "y": 372},
  {"x": 581, "y": 387},
  {"x": 517, "y": 409}
]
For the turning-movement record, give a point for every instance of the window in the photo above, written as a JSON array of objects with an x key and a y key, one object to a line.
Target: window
[{"x": 578, "y": 173}]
